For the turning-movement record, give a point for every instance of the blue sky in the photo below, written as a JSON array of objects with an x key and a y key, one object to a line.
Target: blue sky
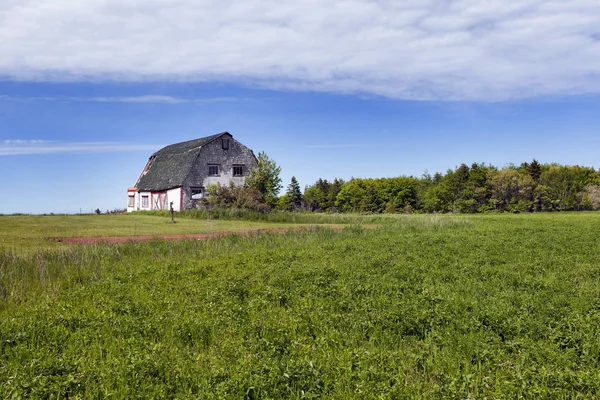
[{"x": 88, "y": 90}]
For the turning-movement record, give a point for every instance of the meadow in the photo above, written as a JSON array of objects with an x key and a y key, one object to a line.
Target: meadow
[
  {"x": 424, "y": 306},
  {"x": 35, "y": 232}
]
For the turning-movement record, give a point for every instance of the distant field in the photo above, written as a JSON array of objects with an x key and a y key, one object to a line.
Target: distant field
[
  {"x": 485, "y": 306},
  {"x": 27, "y": 232}
]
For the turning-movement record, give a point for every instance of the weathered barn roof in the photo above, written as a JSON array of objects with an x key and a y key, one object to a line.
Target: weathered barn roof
[
  {"x": 168, "y": 167},
  {"x": 179, "y": 148}
]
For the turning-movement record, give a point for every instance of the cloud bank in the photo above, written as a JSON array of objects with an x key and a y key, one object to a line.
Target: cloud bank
[
  {"x": 413, "y": 49},
  {"x": 17, "y": 147}
]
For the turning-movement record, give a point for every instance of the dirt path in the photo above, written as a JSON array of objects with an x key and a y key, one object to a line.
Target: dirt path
[{"x": 196, "y": 236}]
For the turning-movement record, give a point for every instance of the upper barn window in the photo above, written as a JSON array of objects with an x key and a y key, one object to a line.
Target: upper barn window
[
  {"x": 225, "y": 144},
  {"x": 238, "y": 170},
  {"x": 213, "y": 170}
]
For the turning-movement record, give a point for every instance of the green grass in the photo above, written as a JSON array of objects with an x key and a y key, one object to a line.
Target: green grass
[
  {"x": 297, "y": 217},
  {"x": 31, "y": 232},
  {"x": 498, "y": 306}
]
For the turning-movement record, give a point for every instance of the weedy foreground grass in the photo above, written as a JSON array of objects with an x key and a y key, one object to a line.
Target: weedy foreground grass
[{"x": 497, "y": 306}]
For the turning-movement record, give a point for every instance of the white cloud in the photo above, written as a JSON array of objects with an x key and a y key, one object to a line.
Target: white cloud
[
  {"x": 338, "y": 146},
  {"x": 17, "y": 147},
  {"x": 137, "y": 99},
  {"x": 157, "y": 99},
  {"x": 21, "y": 142},
  {"x": 124, "y": 99},
  {"x": 414, "y": 49}
]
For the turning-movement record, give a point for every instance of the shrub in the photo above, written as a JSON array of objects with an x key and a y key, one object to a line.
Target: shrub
[{"x": 243, "y": 198}]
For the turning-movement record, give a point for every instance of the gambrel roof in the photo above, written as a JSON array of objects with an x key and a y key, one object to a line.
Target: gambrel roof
[{"x": 168, "y": 167}]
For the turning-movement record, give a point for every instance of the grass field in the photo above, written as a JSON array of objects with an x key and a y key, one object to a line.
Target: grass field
[
  {"x": 486, "y": 306},
  {"x": 31, "y": 232}
]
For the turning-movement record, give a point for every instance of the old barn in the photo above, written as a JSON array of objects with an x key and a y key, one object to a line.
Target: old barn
[{"x": 181, "y": 172}]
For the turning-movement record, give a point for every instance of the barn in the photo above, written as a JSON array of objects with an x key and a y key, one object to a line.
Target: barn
[{"x": 180, "y": 173}]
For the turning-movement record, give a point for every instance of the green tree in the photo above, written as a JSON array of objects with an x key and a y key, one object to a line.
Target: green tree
[
  {"x": 322, "y": 195},
  {"x": 351, "y": 195},
  {"x": 476, "y": 191},
  {"x": 292, "y": 200},
  {"x": 371, "y": 201},
  {"x": 565, "y": 185},
  {"x": 333, "y": 189},
  {"x": 592, "y": 197},
  {"x": 265, "y": 178},
  {"x": 314, "y": 198},
  {"x": 456, "y": 182},
  {"x": 378, "y": 195},
  {"x": 511, "y": 190},
  {"x": 535, "y": 170}
]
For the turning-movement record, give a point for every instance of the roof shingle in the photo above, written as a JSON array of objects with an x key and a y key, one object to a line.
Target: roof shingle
[{"x": 171, "y": 164}]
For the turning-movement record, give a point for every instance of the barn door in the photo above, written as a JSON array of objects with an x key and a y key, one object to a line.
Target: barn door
[{"x": 160, "y": 201}]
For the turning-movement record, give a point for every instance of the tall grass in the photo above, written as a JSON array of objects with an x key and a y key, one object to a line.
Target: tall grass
[
  {"x": 43, "y": 273},
  {"x": 310, "y": 217},
  {"x": 27, "y": 275}
]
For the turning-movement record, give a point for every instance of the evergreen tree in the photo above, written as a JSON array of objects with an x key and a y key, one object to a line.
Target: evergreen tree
[
  {"x": 293, "y": 194},
  {"x": 535, "y": 170}
]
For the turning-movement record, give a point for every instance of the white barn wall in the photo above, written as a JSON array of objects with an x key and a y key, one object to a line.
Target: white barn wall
[
  {"x": 135, "y": 206},
  {"x": 140, "y": 196},
  {"x": 174, "y": 195}
]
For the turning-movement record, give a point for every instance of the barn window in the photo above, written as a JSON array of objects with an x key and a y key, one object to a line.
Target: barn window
[
  {"x": 197, "y": 193},
  {"x": 225, "y": 144},
  {"x": 238, "y": 170},
  {"x": 213, "y": 170},
  {"x": 130, "y": 201},
  {"x": 145, "y": 202}
]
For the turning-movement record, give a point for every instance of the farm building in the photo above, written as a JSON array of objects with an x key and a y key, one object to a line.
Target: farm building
[{"x": 181, "y": 172}]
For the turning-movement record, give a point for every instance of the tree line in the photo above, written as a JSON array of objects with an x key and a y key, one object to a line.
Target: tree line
[{"x": 479, "y": 188}]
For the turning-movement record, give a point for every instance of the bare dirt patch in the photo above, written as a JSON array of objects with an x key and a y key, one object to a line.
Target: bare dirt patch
[{"x": 197, "y": 236}]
